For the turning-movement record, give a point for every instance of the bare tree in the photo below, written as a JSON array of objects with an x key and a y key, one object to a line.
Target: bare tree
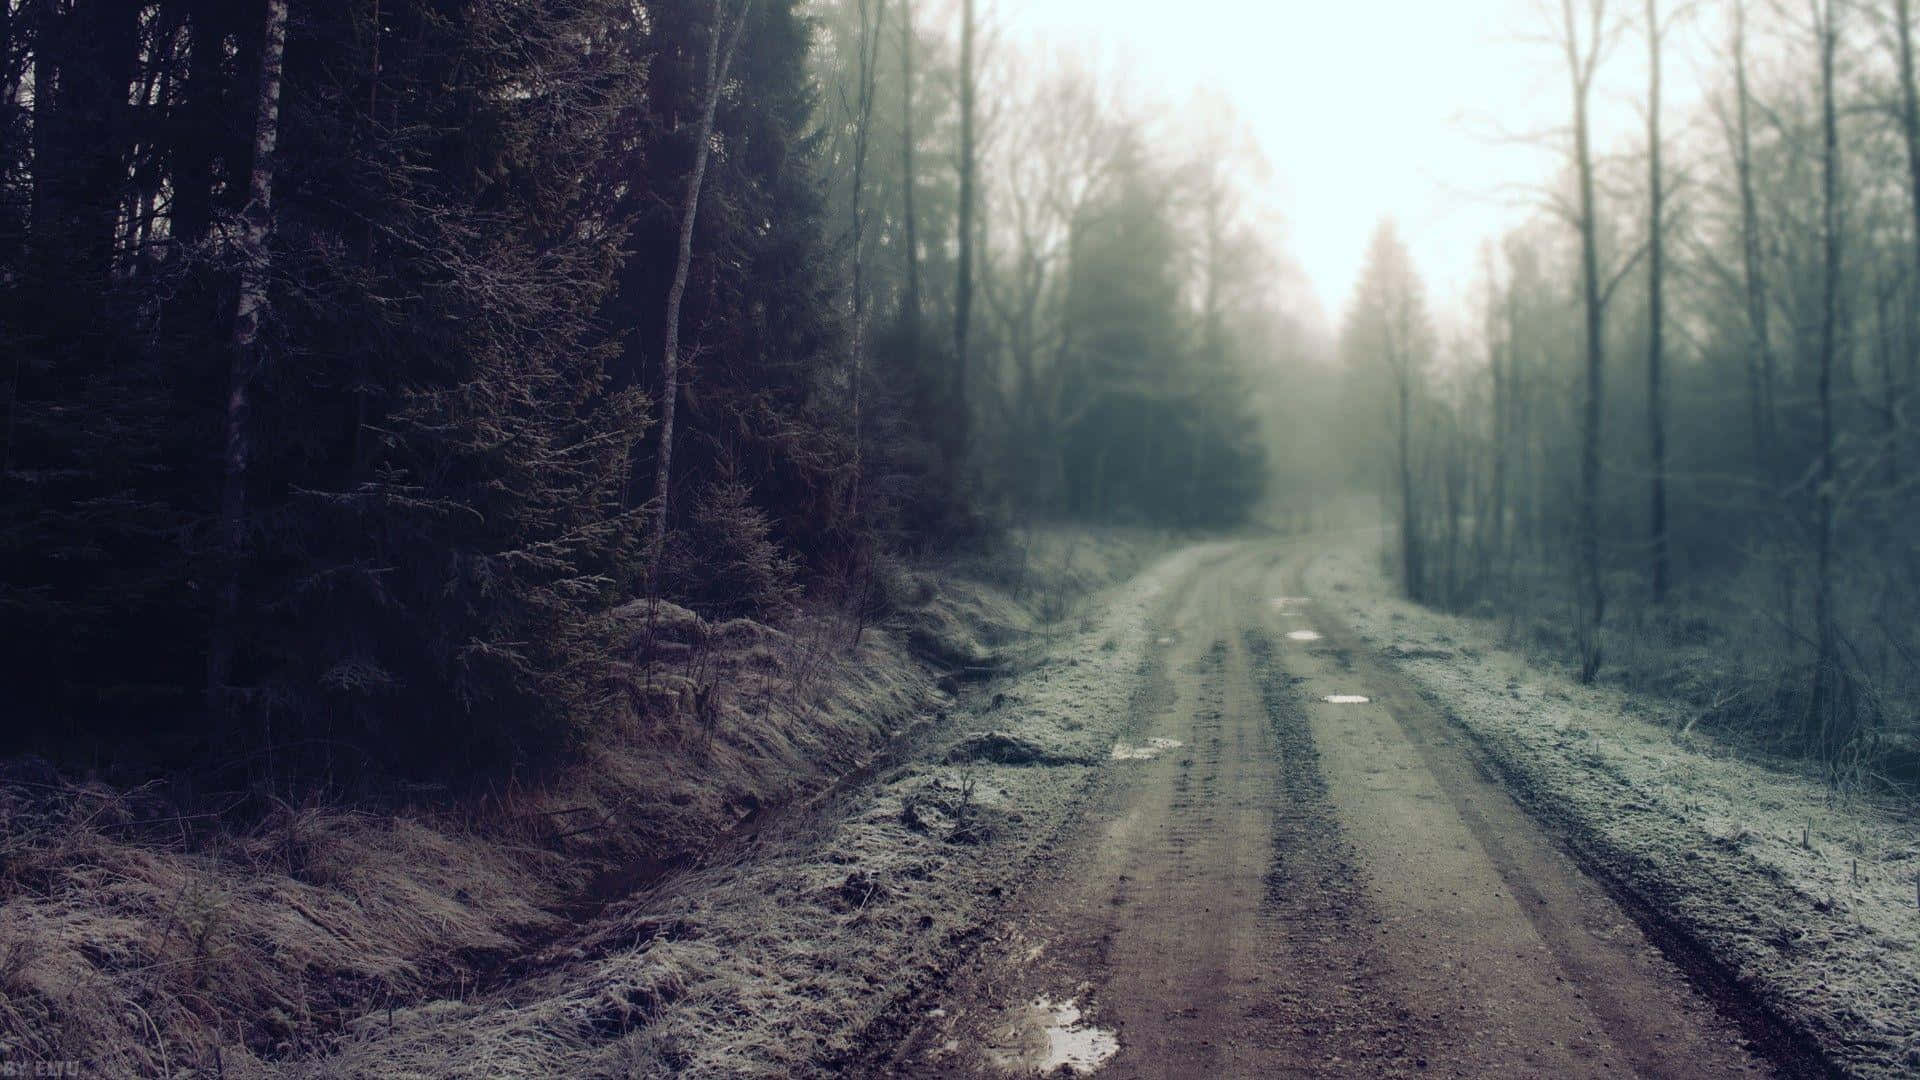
[
  {"x": 1660, "y": 569},
  {"x": 1499, "y": 342},
  {"x": 963, "y": 281},
  {"x": 910, "y": 223},
  {"x": 1826, "y": 702},
  {"x": 721, "y": 41},
  {"x": 1387, "y": 330},
  {"x": 249, "y": 308},
  {"x": 1760, "y": 368},
  {"x": 1583, "y": 46},
  {"x": 1909, "y": 113},
  {"x": 873, "y": 14}
]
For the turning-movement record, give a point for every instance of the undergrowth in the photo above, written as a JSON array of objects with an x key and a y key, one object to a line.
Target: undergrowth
[{"x": 153, "y": 929}]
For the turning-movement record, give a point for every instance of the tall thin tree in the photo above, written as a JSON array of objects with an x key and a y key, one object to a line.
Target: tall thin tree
[
  {"x": 963, "y": 281},
  {"x": 1760, "y": 364},
  {"x": 721, "y": 41},
  {"x": 249, "y": 308},
  {"x": 1583, "y": 60},
  {"x": 873, "y": 17},
  {"x": 1826, "y": 701},
  {"x": 909, "y": 219},
  {"x": 1661, "y": 555}
]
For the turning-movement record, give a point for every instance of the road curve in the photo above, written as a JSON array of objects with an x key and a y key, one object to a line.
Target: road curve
[{"x": 1307, "y": 888}]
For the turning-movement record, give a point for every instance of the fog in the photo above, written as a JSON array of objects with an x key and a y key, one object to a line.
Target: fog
[{"x": 1441, "y": 116}]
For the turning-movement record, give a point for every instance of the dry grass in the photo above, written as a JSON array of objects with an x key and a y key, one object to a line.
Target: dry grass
[
  {"x": 138, "y": 937},
  {"x": 140, "y": 957},
  {"x": 774, "y": 965},
  {"x": 1735, "y": 648}
]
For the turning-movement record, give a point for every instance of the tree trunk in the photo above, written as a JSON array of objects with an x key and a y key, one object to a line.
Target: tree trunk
[
  {"x": 719, "y": 58},
  {"x": 1661, "y": 567},
  {"x": 1823, "y": 704},
  {"x": 910, "y": 224},
  {"x": 249, "y": 307},
  {"x": 963, "y": 283},
  {"x": 1410, "y": 562},
  {"x": 1494, "y": 529},
  {"x": 1884, "y": 348},
  {"x": 1592, "y": 597},
  {"x": 1910, "y": 128},
  {"x": 1760, "y": 363},
  {"x": 871, "y": 24}
]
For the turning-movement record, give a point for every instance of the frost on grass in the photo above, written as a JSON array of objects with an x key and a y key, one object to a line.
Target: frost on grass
[
  {"x": 773, "y": 966},
  {"x": 1810, "y": 900},
  {"x": 1152, "y": 748}
]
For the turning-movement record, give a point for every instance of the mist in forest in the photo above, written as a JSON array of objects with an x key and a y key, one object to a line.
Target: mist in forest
[{"x": 370, "y": 360}]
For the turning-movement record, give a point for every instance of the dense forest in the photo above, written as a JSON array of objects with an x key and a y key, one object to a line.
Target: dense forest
[
  {"x": 366, "y": 362},
  {"x": 1675, "y": 443}
]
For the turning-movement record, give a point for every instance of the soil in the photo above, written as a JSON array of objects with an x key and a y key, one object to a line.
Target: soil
[{"x": 1307, "y": 887}]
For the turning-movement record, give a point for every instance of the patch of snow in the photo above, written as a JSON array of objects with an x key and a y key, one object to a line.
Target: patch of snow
[
  {"x": 1346, "y": 699},
  {"x": 1302, "y": 635},
  {"x": 1064, "y": 1042},
  {"x": 1153, "y": 749}
]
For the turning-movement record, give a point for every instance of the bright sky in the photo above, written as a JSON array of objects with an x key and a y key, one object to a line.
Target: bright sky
[{"x": 1367, "y": 109}]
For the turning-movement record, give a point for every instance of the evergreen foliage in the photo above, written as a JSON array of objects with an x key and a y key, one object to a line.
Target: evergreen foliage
[{"x": 448, "y": 411}]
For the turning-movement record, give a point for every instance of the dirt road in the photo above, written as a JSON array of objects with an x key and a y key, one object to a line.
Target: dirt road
[{"x": 1279, "y": 884}]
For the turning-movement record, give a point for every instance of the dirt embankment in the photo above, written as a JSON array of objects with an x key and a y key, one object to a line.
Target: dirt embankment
[{"x": 143, "y": 936}]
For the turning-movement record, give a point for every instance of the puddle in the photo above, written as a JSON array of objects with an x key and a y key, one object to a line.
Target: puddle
[
  {"x": 1047, "y": 1037},
  {"x": 1153, "y": 749},
  {"x": 1302, "y": 635},
  {"x": 1346, "y": 699}
]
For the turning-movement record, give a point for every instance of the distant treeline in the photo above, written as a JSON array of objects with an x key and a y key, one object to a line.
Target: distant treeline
[
  {"x": 1678, "y": 442},
  {"x": 341, "y": 338}
]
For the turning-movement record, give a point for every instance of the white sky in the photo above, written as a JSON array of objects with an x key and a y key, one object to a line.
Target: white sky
[{"x": 1369, "y": 108}]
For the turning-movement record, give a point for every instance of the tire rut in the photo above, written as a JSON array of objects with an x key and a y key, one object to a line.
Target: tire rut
[{"x": 1343, "y": 1019}]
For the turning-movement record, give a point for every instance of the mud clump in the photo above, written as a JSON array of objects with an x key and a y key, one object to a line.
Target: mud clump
[
  {"x": 858, "y": 890},
  {"x": 1399, "y": 652},
  {"x": 956, "y": 813},
  {"x": 1006, "y": 748}
]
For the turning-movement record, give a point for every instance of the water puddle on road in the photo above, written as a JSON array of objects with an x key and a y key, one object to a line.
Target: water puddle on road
[
  {"x": 1346, "y": 699},
  {"x": 1302, "y": 635},
  {"x": 1153, "y": 749},
  {"x": 1046, "y": 1037}
]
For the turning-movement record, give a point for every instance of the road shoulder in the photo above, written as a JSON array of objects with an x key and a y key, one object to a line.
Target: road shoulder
[{"x": 1747, "y": 876}]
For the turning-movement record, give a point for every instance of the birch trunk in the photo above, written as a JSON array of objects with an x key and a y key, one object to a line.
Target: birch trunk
[{"x": 719, "y": 58}]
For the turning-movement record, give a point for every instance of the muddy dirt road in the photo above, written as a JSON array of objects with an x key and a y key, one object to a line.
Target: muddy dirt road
[{"x": 1301, "y": 872}]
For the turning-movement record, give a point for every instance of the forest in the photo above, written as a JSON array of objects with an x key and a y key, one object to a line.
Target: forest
[
  {"x": 368, "y": 361},
  {"x": 1673, "y": 443},
  {"x": 826, "y": 538}
]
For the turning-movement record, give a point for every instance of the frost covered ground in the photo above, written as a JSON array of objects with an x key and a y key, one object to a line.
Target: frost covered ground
[
  {"x": 1808, "y": 901},
  {"x": 774, "y": 965}
]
